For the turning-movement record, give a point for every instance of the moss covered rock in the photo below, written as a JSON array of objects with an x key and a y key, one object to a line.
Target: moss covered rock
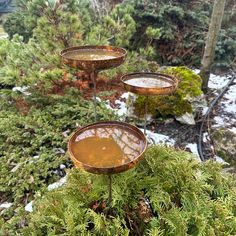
[
  {"x": 180, "y": 102},
  {"x": 225, "y": 144}
]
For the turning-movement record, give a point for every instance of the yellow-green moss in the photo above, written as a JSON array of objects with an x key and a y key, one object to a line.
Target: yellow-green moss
[{"x": 176, "y": 104}]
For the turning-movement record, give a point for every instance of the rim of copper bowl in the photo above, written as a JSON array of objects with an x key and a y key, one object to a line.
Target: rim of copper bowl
[
  {"x": 124, "y": 52},
  {"x": 173, "y": 78},
  {"x": 105, "y": 122}
]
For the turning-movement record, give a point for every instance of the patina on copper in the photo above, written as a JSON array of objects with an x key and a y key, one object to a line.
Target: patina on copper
[
  {"x": 170, "y": 83},
  {"x": 119, "y": 55},
  {"x": 128, "y": 137}
]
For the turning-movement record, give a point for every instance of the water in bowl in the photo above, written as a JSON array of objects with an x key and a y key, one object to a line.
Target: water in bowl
[
  {"x": 107, "y": 147},
  {"x": 91, "y": 54},
  {"x": 147, "y": 82}
]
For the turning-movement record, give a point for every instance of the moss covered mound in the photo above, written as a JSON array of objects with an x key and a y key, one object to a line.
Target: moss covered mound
[
  {"x": 225, "y": 144},
  {"x": 184, "y": 197},
  {"x": 178, "y": 103}
]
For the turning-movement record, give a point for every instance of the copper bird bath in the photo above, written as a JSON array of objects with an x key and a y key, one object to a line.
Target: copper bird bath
[
  {"x": 107, "y": 148},
  {"x": 149, "y": 84},
  {"x": 93, "y": 59}
]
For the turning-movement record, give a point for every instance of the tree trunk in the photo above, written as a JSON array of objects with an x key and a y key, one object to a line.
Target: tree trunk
[{"x": 212, "y": 35}]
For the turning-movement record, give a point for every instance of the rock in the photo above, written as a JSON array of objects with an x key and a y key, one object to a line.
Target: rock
[
  {"x": 198, "y": 103},
  {"x": 225, "y": 145},
  {"x": 187, "y": 118},
  {"x": 57, "y": 184}
]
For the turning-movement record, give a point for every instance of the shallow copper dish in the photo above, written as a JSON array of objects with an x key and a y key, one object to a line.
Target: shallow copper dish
[
  {"x": 119, "y": 55},
  {"x": 160, "y": 84},
  {"x": 127, "y": 136}
]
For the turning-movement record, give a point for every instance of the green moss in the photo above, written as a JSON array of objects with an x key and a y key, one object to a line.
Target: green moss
[
  {"x": 177, "y": 104},
  {"x": 225, "y": 145}
]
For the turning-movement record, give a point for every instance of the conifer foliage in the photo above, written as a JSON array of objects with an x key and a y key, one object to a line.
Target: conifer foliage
[{"x": 169, "y": 193}]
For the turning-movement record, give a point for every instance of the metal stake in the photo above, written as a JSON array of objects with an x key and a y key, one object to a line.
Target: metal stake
[
  {"x": 93, "y": 77},
  {"x": 145, "y": 116},
  {"x": 110, "y": 192}
]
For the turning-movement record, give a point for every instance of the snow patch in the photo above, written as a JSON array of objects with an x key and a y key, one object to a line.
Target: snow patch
[
  {"x": 204, "y": 110},
  {"x": 230, "y": 100},
  {"x": 219, "y": 121},
  {"x": 217, "y": 81},
  {"x": 98, "y": 99},
  {"x": 107, "y": 105},
  {"x": 205, "y": 137},
  {"x": 21, "y": 90},
  {"x": 193, "y": 149},
  {"x": 220, "y": 160},
  {"x": 57, "y": 184},
  {"x": 233, "y": 130},
  {"x": 29, "y": 207},
  {"x": 159, "y": 138},
  {"x": 6, "y": 205},
  {"x": 62, "y": 166},
  {"x": 122, "y": 110}
]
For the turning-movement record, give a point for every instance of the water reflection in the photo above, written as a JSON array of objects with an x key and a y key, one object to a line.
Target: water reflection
[
  {"x": 107, "y": 146},
  {"x": 148, "y": 82},
  {"x": 91, "y": 54}
]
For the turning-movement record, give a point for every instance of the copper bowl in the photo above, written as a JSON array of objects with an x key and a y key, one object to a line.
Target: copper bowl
[
  {"x": 167, "y": 83},
  {"x": 117, "y": 59},
  {"x": 129, "y": 138}
]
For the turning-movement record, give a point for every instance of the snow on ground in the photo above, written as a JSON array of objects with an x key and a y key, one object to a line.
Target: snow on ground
[
  {"x": 122, "y": 110},
  {"x": 227, "y": 104},
  {"x": 193, "y": 149},
  {"x": 220, "y": 160},
  {"x": 218, "y": 122},
  {"x": 205, "y": 137},
  {"x": 29, "y": 207},
  {"x": 217, "y": 81},
  {"x": 230, "y": 100},
  {"x": 233, "y": 130},
  {"x": 5, "y": 205},
  {"x": 57, "y": 184},
  {"x": 62, "y": 166},
  {"x": 157, "y": 138},
  {"x": 22, "y": 90}
]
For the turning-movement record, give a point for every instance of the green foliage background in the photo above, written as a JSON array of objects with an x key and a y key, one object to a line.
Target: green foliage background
[
  {"x": 35, "y": 122},
  {"x": 172, "y": 33}
]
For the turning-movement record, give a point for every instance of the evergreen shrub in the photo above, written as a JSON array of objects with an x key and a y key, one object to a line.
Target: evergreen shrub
[{"x": 183, "y": 197}]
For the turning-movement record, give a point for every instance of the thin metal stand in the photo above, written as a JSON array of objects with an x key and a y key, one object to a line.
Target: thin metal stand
[
  {"x": 145, "y": 116},
  {"x": 93, "y": 76},
  {"x": 110, "y": 193}
]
